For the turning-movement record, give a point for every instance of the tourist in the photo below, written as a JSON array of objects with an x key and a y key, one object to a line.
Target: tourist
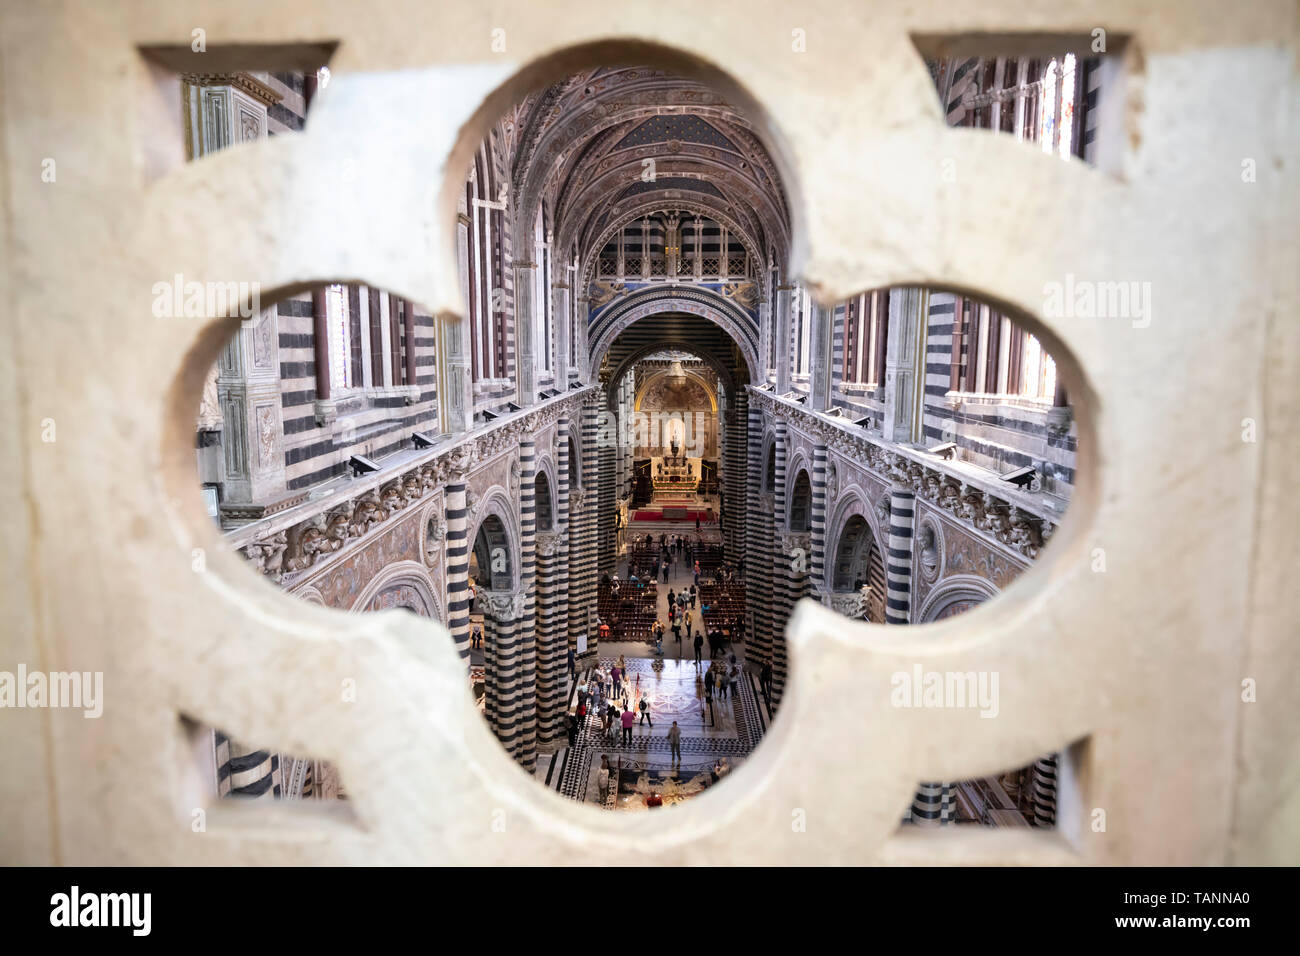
[
  {"x": 718, "y": 676},
  {"x": 611, "y": 722},
  {"x": 733, "y": 675},
  {"x": 694, "y": 595},
  {"x": 571, "y": 729},
  {"x": 677, "y": 632},
  {"x": 572, "y": 671},
  {"x": 663, "y": 570},
  {"x": 675, "y": 743},
  {"x": 602, "y": 780},
  {"x": 687, "y": 618},
  {"x": 699, "y": 643},
  {"x": 671, "y": 597},
  {"x": 582, "y": 694},
  {"x": 708, "y": 700},
  {"x": 615, "y": 680},
  {"x": 697, "y": 572},
  {"x": 765, "y": 681},
  {"x": 645, "y": 712},
  {"x": 628, "y": 719}
]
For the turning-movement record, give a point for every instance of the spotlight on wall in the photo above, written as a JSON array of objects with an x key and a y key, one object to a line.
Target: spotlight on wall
[
  {"x": 361, "y": 465},
  {"x": 1024, "y": 478},
  {"x": 947, "y": 451}
]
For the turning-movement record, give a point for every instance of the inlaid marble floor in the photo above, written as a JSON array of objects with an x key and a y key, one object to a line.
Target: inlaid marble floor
[{"x": 675, "y": 691}]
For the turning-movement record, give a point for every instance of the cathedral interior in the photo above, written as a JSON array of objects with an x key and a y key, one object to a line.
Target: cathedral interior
[
  {"x": 628, "y": 419},
  {"x": 642, "y": 389}
]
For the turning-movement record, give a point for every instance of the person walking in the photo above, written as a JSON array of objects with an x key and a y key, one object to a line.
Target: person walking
[
  {"x": 708, "y": 700},
  {"x": 765, "y": 680},
  {"x": 689, "y": 625},
  {"x": 571, "y": 663},
  {"x": 571, "y": 729},
  {"x": 699, "y": 644},
  {"x": 720, "y": 680},
  {"x": 582, "y": 694},
  {"x": 645, "y": 712},
  {"x": 663, "y": 570},
  {"x": 615, "y": 680},
  {"x": 675, "y": 743},
  {"x": 628, "y": 719}
]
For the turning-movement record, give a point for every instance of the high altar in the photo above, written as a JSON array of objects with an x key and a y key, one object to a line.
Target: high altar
[{"x": 675, "y": 477}]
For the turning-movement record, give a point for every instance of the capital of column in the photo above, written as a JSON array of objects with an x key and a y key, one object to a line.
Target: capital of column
[{"x": 503, "y": 606}]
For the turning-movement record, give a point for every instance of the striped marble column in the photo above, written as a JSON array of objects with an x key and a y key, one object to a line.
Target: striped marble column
[
  {"x": 927, "y": 805},
  {"x": 563, "y": 524},
  {"x": 1043, "y": 789},
  {"x": 817, "y": 579},
  {"x": 458, "y": 563},
  {"x": 591, "y": 480},
  {"x": 898, "y": 563},
  {"x": 758, "y": 547},
  {"x": 737, "y": 454},
  {"x": 607, "y": 478},
  {"x": 503, "y": 685},
  {"x": 582, "y": 539},
  {"x": 245, "y": 772},
  {"x": 782, "y": 567},
  {"x": 527, "y": 624},
  {"x": 552, "y": 634}
]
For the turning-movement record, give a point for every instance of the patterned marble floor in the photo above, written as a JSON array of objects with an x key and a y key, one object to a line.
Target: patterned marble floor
[{"x": 674, "y": 689}]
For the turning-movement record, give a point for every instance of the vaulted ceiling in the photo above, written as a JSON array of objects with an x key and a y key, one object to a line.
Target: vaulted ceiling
[{"x": 607, "y": 146}]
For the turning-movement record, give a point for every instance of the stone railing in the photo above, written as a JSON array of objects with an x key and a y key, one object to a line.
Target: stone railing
[
  {"x": 983, "y": 503},
  {"x": 293, "y": 541}
]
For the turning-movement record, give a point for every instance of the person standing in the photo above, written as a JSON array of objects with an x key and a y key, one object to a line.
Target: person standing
[
  {"x": 628, "y": 719},
  {"x": 697, "y": 573},
  {"x": 699, "y": 644},
  {"x": 675, "y": 743},
  {"x": 602, "y": 780},
  {"x": 571, "y": 663},
  {"x": 582, "y": 694},
  {"x": 708, "y": 699},
  {"x": 677, "y": 632},
  {"x": 645, "y": 712},
  {"x": 615, "y": 680},
  {"x": 765, "y": 680}
]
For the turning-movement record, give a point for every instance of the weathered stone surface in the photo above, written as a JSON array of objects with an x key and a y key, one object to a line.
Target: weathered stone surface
[{"x": 1145, "y": 660}]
